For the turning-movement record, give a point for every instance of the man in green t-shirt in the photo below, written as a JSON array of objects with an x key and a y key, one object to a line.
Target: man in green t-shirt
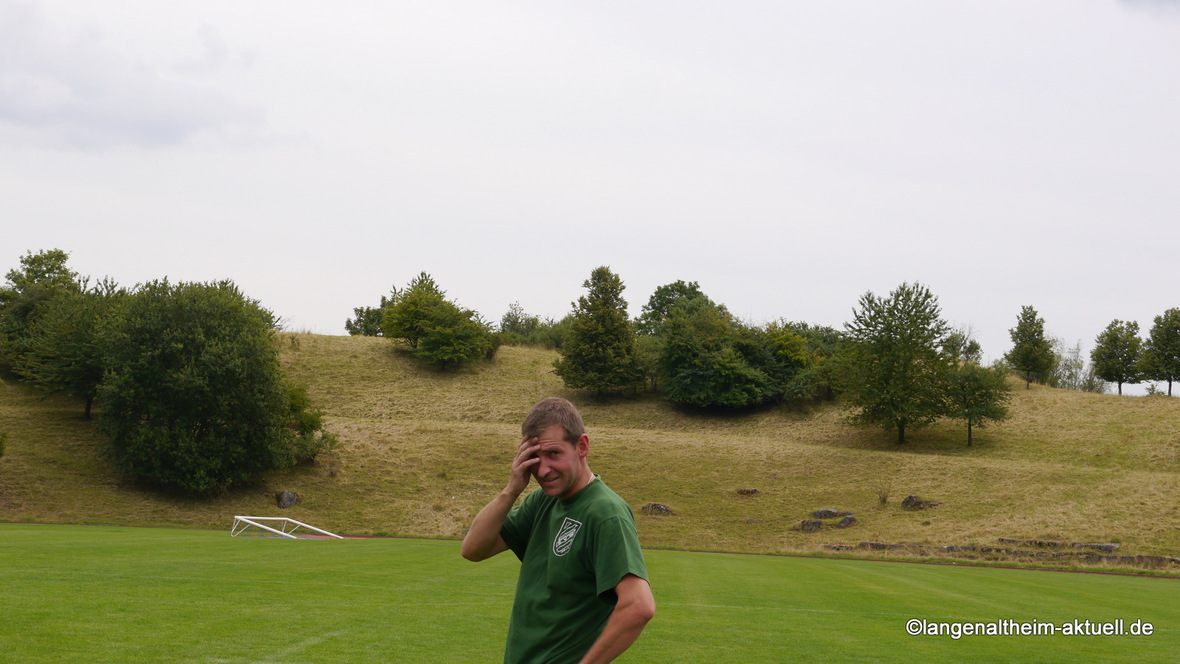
[{"x": 582, "y": 594}]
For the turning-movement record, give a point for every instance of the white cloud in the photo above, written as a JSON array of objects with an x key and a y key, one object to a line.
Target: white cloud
[{"x": 67, "y": 88}]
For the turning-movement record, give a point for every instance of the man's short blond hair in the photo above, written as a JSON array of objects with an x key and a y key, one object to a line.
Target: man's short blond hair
[{"x": 548, "y": 412}]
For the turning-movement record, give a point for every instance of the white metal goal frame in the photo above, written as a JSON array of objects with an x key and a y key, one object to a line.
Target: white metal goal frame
[{"x": 286, "y": 526}]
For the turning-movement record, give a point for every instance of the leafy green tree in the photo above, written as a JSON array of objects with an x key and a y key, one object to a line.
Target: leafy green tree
[
  {"x": 977, "y": 395},
  {"x": 1161, "y": 356},
  {"x": 41, "y": 277},
  {"x": 703, "y": 363},
  {"x": 598, "y": 352},
  {"x": 366, "y": 321},
  {"x": 1116, "y": 353},
  {"x": 408, "y": 312},
  {"x": 652, "y": 320},
  {"x": 894, "y": 370},
  {"x": 193, "y": 397},
  {"x": 63, "y": 349},
  {"x": 1031, "y": 352},
  {"x": 960, "y": 346},
  {"x": 648, "y": 350}
]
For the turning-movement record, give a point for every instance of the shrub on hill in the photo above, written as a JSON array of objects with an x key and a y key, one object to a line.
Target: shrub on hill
[
  {"x": 437, "y": 330},
  {"x": 193, "y": 397},
  {"x": 706, "y": 360},
  {"x": 701, "y": 356}
]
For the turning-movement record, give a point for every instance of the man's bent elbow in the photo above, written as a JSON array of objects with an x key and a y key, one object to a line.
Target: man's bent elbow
[
  {"x": 469, "y": 552},
  {"x": 476, "y": 549},
  {"x": 645, "y": 611}
]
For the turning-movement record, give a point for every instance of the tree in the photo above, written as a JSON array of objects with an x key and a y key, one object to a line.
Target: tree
[
  {"x": 648, "y": 350},
  {"x": 1116, "y": 353},
  {"x": 518, "y": 324},
  {"x": 193, "y": 397},
  {"x": 63, "y": 348},
  {"x": 598, "y": 352},
  {"x": 816, "y": 378},
  {"x": 407, "y": 312},
  {"x": 366, "y": 321},
  {"x": 42, "y": 276},
  {"x": 1031, "y": 352},
  {"x": 978, "y": 395},
  {"x": 894, "y": 369},
  {"x": 960, "y": 345},
  {"x": 1161, "y": 356},
  {"x": 781, "y": 354},
  {"x": 659, "y": 306}
]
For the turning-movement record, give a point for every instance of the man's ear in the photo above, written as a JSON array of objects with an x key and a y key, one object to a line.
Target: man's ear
[{"x": 583, "y": 446}]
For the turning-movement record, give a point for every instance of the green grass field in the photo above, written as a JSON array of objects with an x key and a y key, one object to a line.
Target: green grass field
[{"x": 120, "y": 594}]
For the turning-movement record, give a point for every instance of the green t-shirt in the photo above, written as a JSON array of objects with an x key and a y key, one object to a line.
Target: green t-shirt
[{"x": 573, "y": 553}]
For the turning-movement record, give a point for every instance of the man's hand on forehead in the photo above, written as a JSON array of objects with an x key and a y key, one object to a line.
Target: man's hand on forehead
[{"x": 522, "y": 464}]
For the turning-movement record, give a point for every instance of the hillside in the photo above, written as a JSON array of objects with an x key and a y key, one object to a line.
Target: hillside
[{"x": 421, "y": 452}]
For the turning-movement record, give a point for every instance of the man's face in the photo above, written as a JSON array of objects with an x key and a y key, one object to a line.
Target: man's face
[{"x": 560, "y": 472}]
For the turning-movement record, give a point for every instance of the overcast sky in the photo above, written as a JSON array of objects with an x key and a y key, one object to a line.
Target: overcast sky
[{"x": 788, "y": 156}]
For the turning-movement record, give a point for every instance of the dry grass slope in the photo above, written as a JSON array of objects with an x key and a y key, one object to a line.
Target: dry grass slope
[{"x": 422, "y": 451}]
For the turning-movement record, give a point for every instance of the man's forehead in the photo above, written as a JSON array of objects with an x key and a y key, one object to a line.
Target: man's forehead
[
  {"x": 559, "y": 443},
  {"x": 552, "y": 437},
  {"x": 552, "y": 434}
]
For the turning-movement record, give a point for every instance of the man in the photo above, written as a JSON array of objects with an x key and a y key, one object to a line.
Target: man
[{"x": 582, "y": 594}]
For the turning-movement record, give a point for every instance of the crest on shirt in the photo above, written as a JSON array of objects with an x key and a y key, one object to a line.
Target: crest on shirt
[{"x": 564, "y": 540}]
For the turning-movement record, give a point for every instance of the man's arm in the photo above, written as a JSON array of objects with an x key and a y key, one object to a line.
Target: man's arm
[
  {"x": 483, "y": 539},
  {"x": 635, "y": 608}
]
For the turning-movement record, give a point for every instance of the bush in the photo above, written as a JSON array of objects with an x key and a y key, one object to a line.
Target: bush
[
  {"x": 306, "y": 424},
  {"x": 193, "y": 397},
  {"x": 705, "y": 361},
  {"x": 451, "y": 336},
  {"x": 437, "y": 330}
]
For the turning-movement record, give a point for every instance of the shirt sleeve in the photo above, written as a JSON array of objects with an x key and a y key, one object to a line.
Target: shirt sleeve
[
  {"x": 518, "y": 525},
  {"x": 616, "y": 554}
]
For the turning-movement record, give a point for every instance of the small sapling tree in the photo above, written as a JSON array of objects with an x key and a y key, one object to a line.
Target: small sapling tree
[
  {"x": 1031, "y": 351},
  {"x": 598, "y": 352}
]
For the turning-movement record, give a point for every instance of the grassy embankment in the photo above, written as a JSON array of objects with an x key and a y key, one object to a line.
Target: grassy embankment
[{"x": 422, "y": 451}]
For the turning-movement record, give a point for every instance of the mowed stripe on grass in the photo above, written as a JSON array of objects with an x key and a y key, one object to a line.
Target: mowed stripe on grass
[{"x": 115, "y": 594}]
